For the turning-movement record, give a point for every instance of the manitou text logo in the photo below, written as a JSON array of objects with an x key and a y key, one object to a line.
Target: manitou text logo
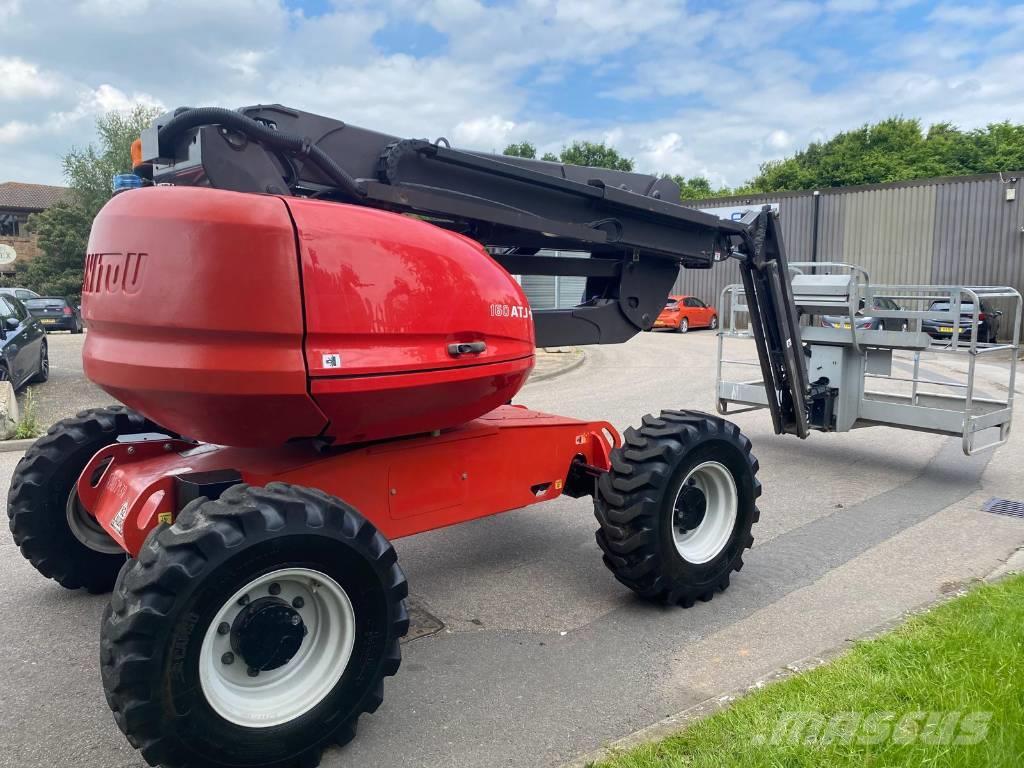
[{"x": 113, "y": 272}]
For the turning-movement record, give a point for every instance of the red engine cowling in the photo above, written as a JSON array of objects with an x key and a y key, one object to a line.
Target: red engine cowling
[{"x": 252, "y": 320}]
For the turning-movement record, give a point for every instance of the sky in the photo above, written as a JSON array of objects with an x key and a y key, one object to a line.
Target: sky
[{"x": 691, "y": 88}]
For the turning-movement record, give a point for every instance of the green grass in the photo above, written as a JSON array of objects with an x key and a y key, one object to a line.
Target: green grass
[{"x": 965, "y": 656}]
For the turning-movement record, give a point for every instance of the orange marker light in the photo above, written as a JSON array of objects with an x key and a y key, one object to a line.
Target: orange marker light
[{"x": 136, "y": 153}]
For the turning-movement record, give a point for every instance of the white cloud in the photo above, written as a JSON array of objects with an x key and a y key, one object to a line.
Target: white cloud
[
  {"x": 665, "y": 83},
  {"x": 483, "y": 131},
  {"x": 14, "y": 131},
  {"x": 20, "y": 79},
  {"x": 780, "y": 140}
]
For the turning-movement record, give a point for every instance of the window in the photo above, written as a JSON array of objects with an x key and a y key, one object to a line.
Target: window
[
  {"x": 9, "y": 224},
  {"x": 24, "y": 293},
  {"x": 699, "y": 304},
  {"x": 18, "y": 308},
  {"x": 5, "y": 309}
]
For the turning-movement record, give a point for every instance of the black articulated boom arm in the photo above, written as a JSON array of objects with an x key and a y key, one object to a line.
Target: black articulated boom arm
[{"x": 627, "y": 233}]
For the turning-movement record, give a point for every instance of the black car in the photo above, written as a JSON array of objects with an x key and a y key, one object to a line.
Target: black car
[
  {"x": 988, "y": 322},
  {"x": 866, "y": 321},
  {"x": 23, "y": 353},
  {"x": 56, "y": 314}
]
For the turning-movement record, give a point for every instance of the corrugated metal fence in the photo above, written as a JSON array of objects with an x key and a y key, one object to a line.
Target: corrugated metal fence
[{"x": 967, "y": 230}]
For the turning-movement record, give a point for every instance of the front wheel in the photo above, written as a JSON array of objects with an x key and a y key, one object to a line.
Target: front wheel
[
  {"x": 253, "y": 631},
  {"x": 677, "y": 508},
  {"x": 714, "y": 323},
  {"x": 43, "y": 372}
]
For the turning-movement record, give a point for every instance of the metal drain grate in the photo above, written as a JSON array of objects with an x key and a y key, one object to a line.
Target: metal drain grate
[{"x": 999, "y": 506}]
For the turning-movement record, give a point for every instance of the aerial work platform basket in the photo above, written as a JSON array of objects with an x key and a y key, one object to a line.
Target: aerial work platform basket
[{"x": 877, "y": 366}]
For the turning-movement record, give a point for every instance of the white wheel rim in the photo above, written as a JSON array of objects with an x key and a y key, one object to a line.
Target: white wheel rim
[
  {"x": 280, "y": 695},
  {"x": 708, "y": 538}
]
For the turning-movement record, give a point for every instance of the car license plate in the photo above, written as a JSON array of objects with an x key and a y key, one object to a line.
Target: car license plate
[
  {"x": 48, "y": 321},
  {"x": 948, "y": 329},
  {"x": 846, "y": 326}
]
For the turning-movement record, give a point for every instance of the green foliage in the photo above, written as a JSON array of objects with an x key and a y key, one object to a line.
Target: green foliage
[
  {"x": 895, "y": 149},
  {"x": 63, "y": 230},
  {"x": 699, "y": 188},
  {"x": 595, "y": 155},
  {"x": 28, "y": 423},
  {"x": 63, "y": 233},
  {"x": 522, "y": 149}
]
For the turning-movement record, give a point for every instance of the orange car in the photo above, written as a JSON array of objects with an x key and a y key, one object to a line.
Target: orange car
[{"x": 686, "y": 312}]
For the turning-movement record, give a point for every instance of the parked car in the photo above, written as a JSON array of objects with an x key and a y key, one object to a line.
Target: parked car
[
  {"x": 19, "y": 293},
  {"x": 988, "y": 322},
  {"x": 864, "y": 320},
  {"x": 23, "y": 353},
  {"x": 686, "y": 312},
  {"x": 56, "y": 314}
]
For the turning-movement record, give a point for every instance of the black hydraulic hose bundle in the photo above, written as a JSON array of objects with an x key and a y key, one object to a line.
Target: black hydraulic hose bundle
[{"x": 186, "y": 119}]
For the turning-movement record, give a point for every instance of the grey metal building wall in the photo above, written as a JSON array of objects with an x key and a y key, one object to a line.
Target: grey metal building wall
[
  {"x": 548, "y": 292},
  {"x": 946, "y": 230}
]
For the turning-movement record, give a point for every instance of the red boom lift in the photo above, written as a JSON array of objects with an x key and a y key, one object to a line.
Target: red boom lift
[{"x": 309, "y": 373}]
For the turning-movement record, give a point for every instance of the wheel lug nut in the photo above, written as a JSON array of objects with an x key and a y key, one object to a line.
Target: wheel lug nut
[
  {"x": 296, "y": 620},
  {"x": 243, "y": 600},
  {"x": 252, "y": 672},
  {"x": 298, "y": 602},
  {"x": 227, "y": 658},
  {"x": 223, "y": 628},
  {"x": 275, "y": 589}
]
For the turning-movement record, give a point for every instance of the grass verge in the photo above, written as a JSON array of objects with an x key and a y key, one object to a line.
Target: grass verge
[{"x": 945, "y": 689}]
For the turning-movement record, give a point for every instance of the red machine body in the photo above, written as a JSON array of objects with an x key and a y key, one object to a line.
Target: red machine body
[
  {"x": 509, "y": 458},
  {"x": 254, "y": 320}
]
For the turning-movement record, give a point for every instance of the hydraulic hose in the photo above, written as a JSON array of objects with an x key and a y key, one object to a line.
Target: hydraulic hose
[{"x": 188, "y": 118}]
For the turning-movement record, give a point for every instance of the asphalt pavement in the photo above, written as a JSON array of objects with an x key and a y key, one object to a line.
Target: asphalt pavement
[{"x": 543, "y": 656}]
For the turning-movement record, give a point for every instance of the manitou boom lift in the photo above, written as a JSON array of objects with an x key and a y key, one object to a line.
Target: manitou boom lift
[{"x": 317, "y": 335}]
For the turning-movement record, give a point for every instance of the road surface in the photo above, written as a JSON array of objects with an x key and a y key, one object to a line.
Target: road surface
[{"x": 543, "y": 656}]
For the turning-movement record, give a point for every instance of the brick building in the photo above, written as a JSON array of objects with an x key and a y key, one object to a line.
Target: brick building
[{"x": 17, "y": 202}]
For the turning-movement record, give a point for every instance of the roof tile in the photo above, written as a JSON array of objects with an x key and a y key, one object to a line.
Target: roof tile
[{"x": 30, "y": 197}]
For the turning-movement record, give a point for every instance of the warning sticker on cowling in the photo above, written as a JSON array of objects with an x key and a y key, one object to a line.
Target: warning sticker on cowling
[
  {"x": 331, "y": 360},
  {"x": 118, "y": 522}
]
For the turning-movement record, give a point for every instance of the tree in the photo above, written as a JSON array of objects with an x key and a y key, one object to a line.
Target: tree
[
  {"x": 63, "y": 230},
  {"x": 522, "y": 149},
  {"x": 595, "y": 155},
  {"x": 895, "y": 149},
  {"x": 699, "y": 188}
]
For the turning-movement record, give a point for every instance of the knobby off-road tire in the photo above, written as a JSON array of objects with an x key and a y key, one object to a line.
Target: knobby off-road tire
[
  {"x": 642, "y": 506},
  {"x": 160, "y": 636},
  {"x": 37, "y": 504}
]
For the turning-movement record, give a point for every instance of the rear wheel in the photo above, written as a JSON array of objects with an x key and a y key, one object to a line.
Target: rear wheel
[
  {"x": 684, "y": 325},
  {"x": 77, "y": 328},
  {"x": 54, "y": 532},
  {"x": 283, "y": 607},
  {"x": 677, "y": 507}
]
